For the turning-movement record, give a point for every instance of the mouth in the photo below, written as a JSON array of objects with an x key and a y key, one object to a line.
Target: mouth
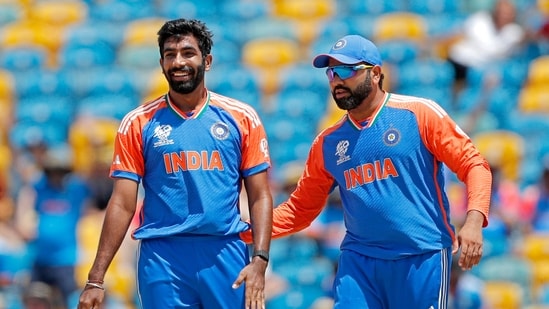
[
  {"x": 341, "y": 93},
  {"x": 181, "y": 75}
]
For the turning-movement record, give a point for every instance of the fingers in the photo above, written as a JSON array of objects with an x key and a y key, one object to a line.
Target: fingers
[
  {"x": 255, "y": 298},
  {"x": 470, "y": 256}
]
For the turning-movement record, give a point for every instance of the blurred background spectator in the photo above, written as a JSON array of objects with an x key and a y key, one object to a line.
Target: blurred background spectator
[{"x": 70, "y": 70}]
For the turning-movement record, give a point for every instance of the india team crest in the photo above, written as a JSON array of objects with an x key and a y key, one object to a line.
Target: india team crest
[
  {"x": 391, "y": 137},
  {"x": 220, "y": 130},
  {"x": 339, "y": 44}
]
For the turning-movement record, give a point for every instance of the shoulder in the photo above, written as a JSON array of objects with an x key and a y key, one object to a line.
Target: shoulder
[
  {"x": 235, "y": 107},
  {"x": 416, "y": 105},
  {"x": 141, "y": 113}
]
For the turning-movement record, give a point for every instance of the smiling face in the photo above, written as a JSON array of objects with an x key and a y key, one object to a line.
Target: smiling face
[{"x": 183, "y": 64}]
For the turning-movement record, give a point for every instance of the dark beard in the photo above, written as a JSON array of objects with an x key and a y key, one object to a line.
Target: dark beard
[
  {"x": 188, "y": 86},
  {"x": 361, "y": 92}
]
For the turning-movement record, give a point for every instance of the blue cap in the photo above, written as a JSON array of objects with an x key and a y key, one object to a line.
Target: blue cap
[{"x": 350, "y": 49}]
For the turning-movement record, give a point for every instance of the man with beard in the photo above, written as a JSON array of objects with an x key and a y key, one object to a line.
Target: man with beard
[
  {"x": 387, "y": 157},
  {"x": 191, "y": 150}
]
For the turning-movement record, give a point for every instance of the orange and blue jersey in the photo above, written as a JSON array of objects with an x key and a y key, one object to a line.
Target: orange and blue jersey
[
  {"x": 389, "y": 169},
  {"x": 190, "y": 166}
]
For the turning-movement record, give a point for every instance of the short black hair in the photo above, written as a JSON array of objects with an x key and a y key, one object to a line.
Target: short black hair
[{"x": 181, "y": 27}]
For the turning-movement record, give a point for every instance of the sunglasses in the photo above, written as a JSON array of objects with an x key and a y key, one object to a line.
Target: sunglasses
[{"x": 345, "y": 71}]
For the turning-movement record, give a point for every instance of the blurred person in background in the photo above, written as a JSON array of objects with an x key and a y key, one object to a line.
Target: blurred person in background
[
  {"x": 486, "y": 38},
  {"x": 191, "y": 150},
  {"x": 386, "y": 158},
  {"x": 538, "y": 196},
  {"x": 47, "y": 214},
  {"x": 38, "y": 295}
]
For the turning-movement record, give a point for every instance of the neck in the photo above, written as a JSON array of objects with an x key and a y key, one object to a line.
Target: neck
[
  {"x": 368, "y": 106},
  {"x": 190, "y": 101}
]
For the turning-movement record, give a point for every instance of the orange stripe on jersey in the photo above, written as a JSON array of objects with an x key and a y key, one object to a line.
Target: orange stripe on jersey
[
  {"x": 138, "y": 112},
  {"x": 449, "y": 144},
  {"x": 237, "y": 106},
  {"x": 255, "y": 150}
]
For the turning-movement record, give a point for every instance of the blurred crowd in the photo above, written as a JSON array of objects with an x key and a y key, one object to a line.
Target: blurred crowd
[{"x": 70, "y": 69}]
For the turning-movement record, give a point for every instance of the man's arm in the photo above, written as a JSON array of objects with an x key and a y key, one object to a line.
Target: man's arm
[{"x": 260, "y": 203}]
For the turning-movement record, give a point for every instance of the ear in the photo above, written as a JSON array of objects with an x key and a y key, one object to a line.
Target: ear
[
  {"x": 208, "y": 62},
  {"x": 376, "y": 72}
]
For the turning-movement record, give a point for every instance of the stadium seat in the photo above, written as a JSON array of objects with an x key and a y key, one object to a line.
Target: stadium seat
[
  {"x": 242, "y": 85},
  {"x": 139, "y": 56},
  {"x": 304, "y": 9},
  {"x": 7, "y": 85},
  {"x": 543, "y": 6},
  {"x": 31, "y": 33},
  {"x": 503, "y": 295},
  {"x": 121, "y": 12},
  {"x": 535, "y": 246},
  {"x": 92, "y": 138},
  {"x": 267, "y": 57},
  {"x": 99, "y": 81},
  {"x": 206, "y": 10},
  {"x": 10, "y": 12},
  {"x": 374, "y": 8},
  {"x": 45, "y": 109},
  {"x": 86, "y": 54},
  {"x": 226, "y": 52},
  {"x": 538, "y": 71},
  {"x": 25, "y": 133},
  {"x": 508, "y": 267},
  {"x": 23, "y": 58},
  {"x": 155, "y": 86},
  {"x": 245, "y": 10},
  {"x": 425, "y": 72},
  {"x": 399, "y": 51},
  {"x": 400, "y": 25},
  {"x": 107, "y": 106},
  {"x": 534, "y": 99},
  {"x": 270, "y": 53},
  {"x": 40, "y": 83},
  {"x": 142, "y": 31},
  {"x": 61, "y": 13},
  {"x": 434, "y": 7},
  {"x": 503, "y": 148},
  {"x": 305, "y": 105},
  {"x": 90, "y": 30},
  {"x": 305, "y": 77},
  {"x": 269, "y": 28}
]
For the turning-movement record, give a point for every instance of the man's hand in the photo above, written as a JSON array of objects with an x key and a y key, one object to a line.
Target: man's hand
[
  {"x": 254, "y": 277},
  {"x": 469, "y": 239},
  {"x": 91, "y": 297}
]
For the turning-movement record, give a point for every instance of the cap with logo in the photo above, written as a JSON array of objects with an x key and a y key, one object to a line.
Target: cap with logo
[{"x": 350, "y": 49}]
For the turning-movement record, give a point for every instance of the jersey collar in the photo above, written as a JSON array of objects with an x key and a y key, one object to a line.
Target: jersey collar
[
  {"x": 359, "y": 125},
  {"x": 184, "y": 115}
]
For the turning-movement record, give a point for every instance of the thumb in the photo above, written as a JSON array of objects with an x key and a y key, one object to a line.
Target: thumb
[
  {"x": 238, "y": 282},
  {"x": 455, "y": 246}
]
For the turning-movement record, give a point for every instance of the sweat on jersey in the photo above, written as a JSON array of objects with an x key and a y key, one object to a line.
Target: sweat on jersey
[
  {"x": 191, "y": 166},
  {"x": 389, "y": 170}
]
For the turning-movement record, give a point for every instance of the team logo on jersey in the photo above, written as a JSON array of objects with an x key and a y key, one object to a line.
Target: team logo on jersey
[
  {"x": 391, "y": 137},
  {"x": 162, "y": 133},
  {"x": 341, "y": 151},
  {"x": 220, "y": 130},
  {"x": 264, "y": 147}
]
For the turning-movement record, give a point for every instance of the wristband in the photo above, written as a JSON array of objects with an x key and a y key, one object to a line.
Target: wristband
[
  {"x": 262, "y": 254},
  {"x": 95, "y": 285}
]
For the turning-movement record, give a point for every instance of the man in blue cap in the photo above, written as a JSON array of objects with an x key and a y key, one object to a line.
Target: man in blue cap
[{"x": 386, "y": 156}]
